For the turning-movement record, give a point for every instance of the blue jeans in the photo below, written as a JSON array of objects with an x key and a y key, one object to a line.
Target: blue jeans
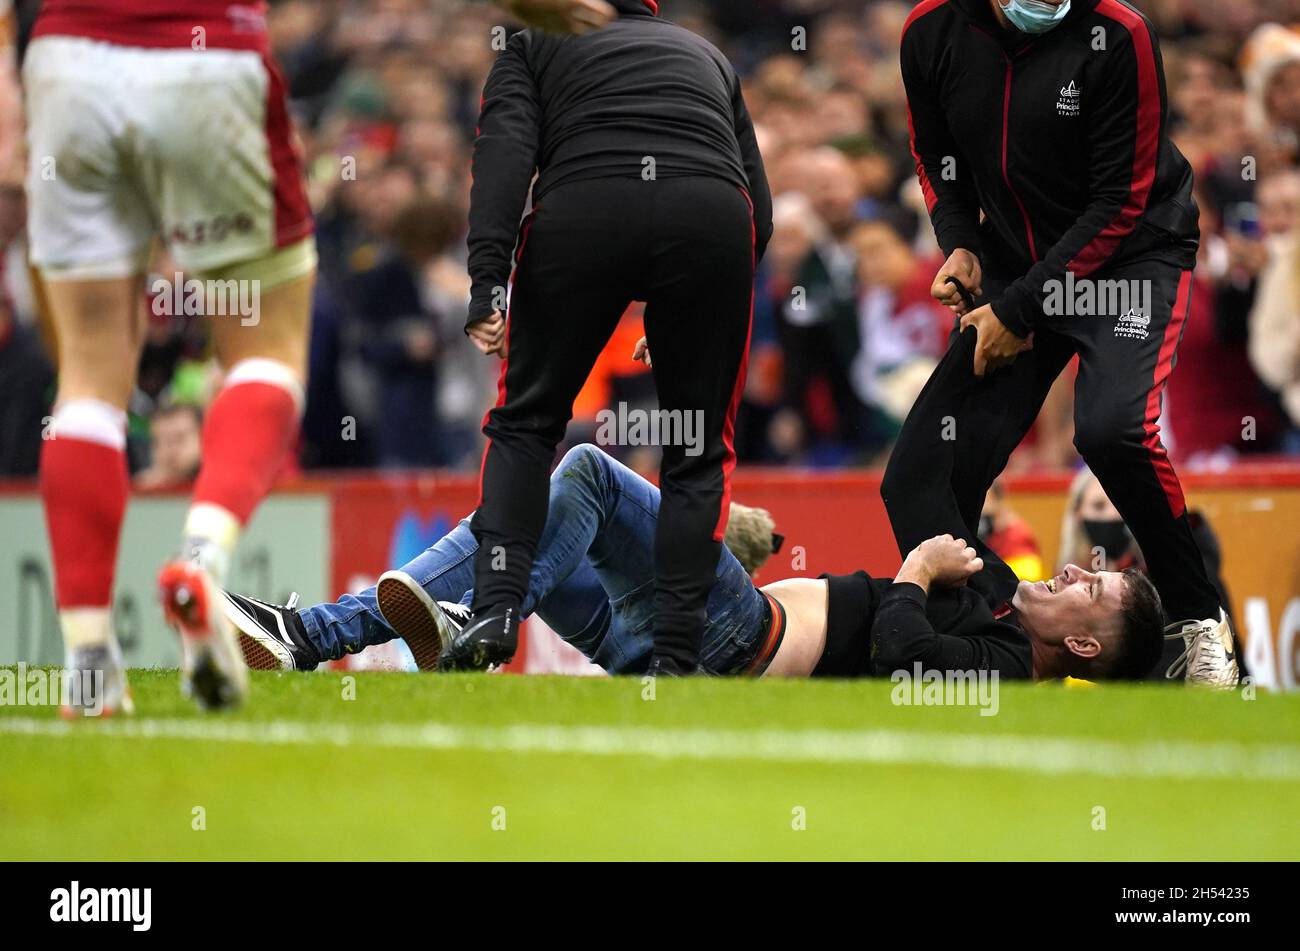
[{"x": 592, "y": 580}]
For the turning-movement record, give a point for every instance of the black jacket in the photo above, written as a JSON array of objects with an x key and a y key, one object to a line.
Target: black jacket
[
  {"x": 1059, "y": 138},
  {"x": 595, "y": 106},
  {"x": 875, "y": 626}
]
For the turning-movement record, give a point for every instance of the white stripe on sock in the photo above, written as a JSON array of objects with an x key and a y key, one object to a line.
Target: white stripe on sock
[
  {"x": 271, "y": 372},
  {"x": 89, "y": 421}
]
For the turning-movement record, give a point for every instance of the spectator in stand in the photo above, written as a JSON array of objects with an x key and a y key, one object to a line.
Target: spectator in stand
[
  {"x": 1275, "y": 319},
  {"x": 1215, "y": 408},
  {"x": 1271, "y": 69},
  {"x": 1196, "y": 81},
  {"x": 902, "y": 330},
  {"x": 26, "y": 392},
  {"x": 818, "y": 323},
  {"x": 399, "y": 332},
  {"x": 175, "y": 447},
  {"x": 764, "y": 429},
  {"x": 26, "y": 377}
]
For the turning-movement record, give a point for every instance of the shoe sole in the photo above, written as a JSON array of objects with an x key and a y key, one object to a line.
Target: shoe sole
[
  {"x": 257, "y": 657},
  {"x": 414, "y": 615},
  {"x": 187, "y": 608}
]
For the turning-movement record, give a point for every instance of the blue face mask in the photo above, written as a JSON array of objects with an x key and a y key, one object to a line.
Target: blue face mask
[{"x": 1034, "y": 16}]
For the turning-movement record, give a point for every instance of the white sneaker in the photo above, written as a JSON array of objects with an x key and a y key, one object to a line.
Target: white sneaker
[
  {"x": 1210, "y": 659},
  {"x": 212, "y": 667},
  {"x": 94, "y": 683}
]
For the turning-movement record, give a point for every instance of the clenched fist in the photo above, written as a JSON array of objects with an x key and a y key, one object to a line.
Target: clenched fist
[
  {"x": 964, "y": 266},
  {"x": 942, "y": 560}
]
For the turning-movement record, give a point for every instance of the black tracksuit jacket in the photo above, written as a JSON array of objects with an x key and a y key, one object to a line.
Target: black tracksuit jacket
[
  {"x": 875, "y": 626},
  {"x": 539, "y": 113},
  {"x": 1058, "y": 138}
]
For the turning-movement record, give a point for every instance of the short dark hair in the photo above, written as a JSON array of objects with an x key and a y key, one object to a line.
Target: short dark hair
[
  {"x": 179, "y": 408},
  {"x": 1141, "y": 632}
]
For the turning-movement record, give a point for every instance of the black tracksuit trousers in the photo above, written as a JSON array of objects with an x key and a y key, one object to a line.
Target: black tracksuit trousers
[
  {"x": 961, "y": 431},
  {"x": 685, "y": 246}
]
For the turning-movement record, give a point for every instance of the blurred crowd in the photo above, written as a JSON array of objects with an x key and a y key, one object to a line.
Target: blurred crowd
[{"x": 385, "y": 93}]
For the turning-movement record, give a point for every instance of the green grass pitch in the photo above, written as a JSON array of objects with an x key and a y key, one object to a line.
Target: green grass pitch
[{"x": 503, "y": 767}]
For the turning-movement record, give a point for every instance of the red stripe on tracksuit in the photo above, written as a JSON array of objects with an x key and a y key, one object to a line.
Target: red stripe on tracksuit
[
  {"x": 729, "y": 424},
  {"x": 1150, "y": 425},
  {"x": 1006, "y": 177},
  {"x": 505, "y": 360},
  {"x": 927, "y": 189},
  {"x": 1146, "y": 145},
  {"x": 931, "y": 199}
]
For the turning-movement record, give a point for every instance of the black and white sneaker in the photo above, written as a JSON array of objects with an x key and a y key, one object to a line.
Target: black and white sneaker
[
  {"x": 426, "y": 625},
  {"x": 271, "y": 636}
]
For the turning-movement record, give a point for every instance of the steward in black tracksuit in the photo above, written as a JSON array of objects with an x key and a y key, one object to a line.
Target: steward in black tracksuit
[
  {"x": 1060, "y": 139},
  {"x": 649, "y": 187}
]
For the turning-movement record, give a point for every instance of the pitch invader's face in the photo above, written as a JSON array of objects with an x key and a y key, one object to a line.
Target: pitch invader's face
[{"x": 1075, "y": 606}]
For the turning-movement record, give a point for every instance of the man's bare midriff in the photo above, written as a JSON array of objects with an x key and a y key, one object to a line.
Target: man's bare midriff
[{"x": 805, "y": 601}]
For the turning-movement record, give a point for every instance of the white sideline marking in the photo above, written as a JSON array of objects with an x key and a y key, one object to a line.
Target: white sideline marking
[{"x": 1051, "y": 755}]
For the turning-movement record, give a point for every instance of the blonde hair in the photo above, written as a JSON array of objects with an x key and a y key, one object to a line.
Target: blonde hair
[
  {"x": 749, "y": 535},
  {"x": 1074, "y": 546}
]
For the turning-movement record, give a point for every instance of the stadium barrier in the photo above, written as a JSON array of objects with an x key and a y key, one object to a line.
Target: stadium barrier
[{"x": 322, "y": 537}]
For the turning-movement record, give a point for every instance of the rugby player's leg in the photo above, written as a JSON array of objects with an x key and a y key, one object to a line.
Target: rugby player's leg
[
  {"x": 250, "y": 427},
  {"x": 89, "y": 235},
  {"x": 83, "y": 469},
  {"x": 248, "y": 433},
  {"x": 229, "y": 199}
]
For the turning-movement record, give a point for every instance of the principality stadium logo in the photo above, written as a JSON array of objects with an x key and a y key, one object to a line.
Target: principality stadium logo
[
  {"x": 1068, "y": 104},
  {"x": 1133, "y": 325}
]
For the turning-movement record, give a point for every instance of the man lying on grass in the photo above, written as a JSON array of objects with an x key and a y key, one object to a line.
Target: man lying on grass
[{"x": 592, "y": 582}]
